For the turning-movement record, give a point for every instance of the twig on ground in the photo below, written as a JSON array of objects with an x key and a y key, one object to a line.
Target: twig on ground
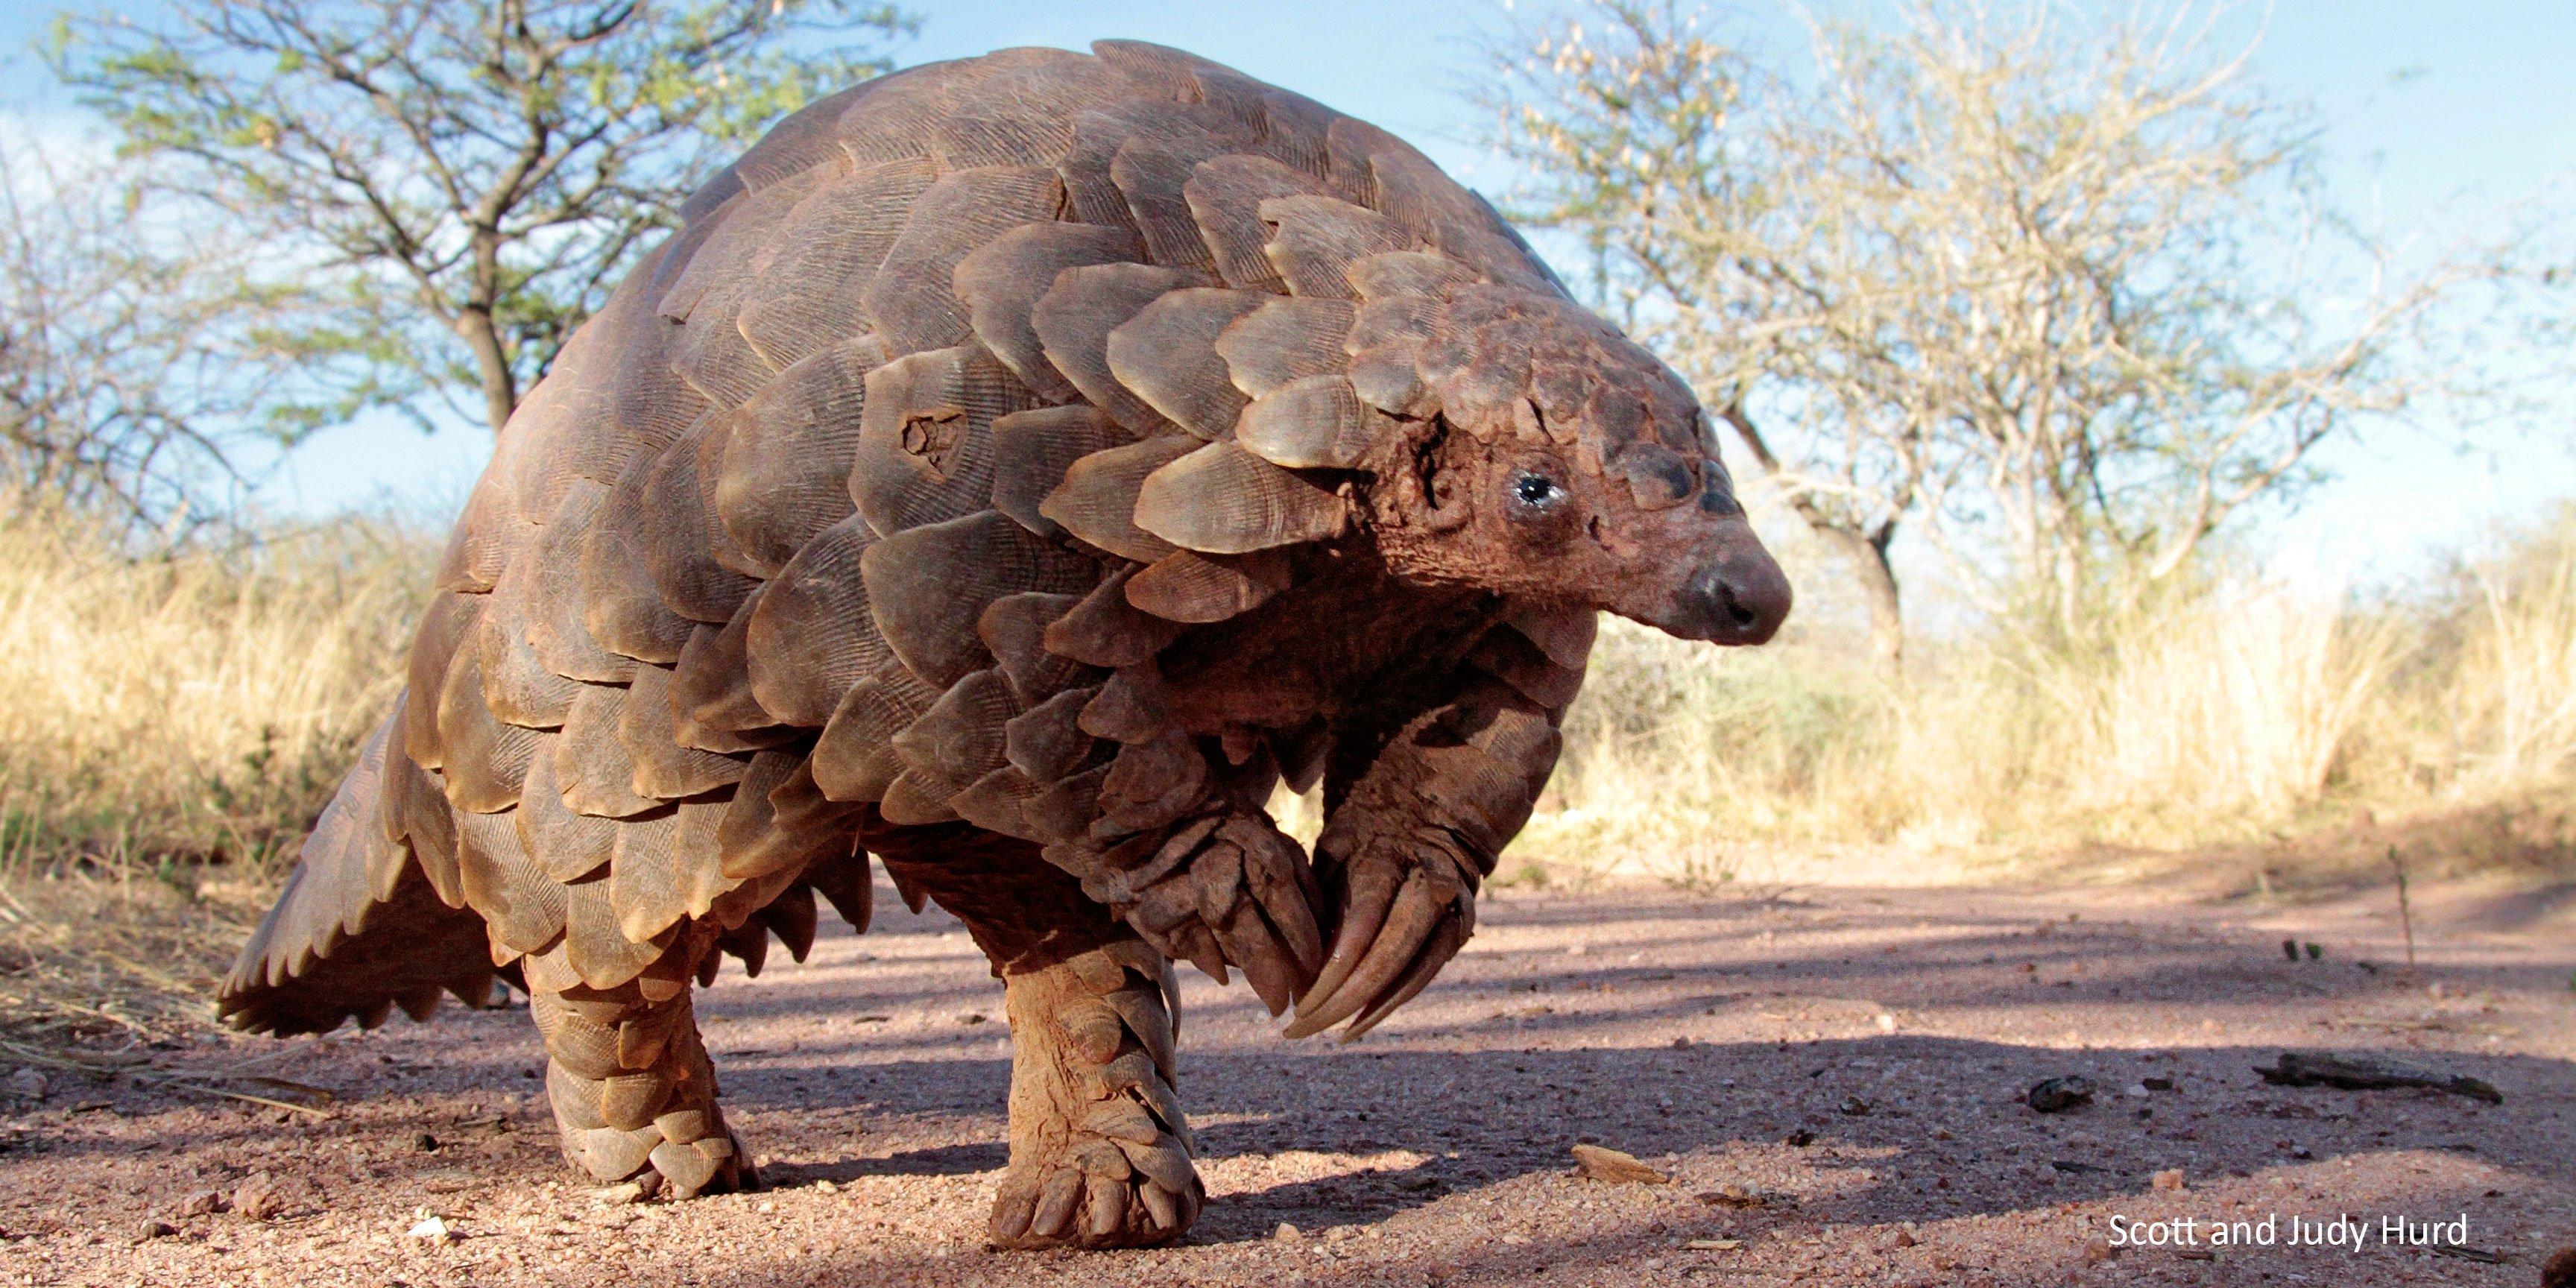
[
  {"x": 2369, "y": 1073},
  {"x": 211, "y": 1082},
  {"x": 2405, "y": 909}
]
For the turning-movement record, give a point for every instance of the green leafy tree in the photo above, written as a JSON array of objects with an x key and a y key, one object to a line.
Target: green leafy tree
[{"x": 464, "y": 179}]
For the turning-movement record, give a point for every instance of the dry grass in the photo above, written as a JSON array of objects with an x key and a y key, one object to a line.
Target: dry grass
[
  {"x": 2245, "y": 715},
  {"x": 170, "y": 725}
]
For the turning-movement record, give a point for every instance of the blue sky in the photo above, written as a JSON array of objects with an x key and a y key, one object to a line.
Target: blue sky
[{"x": 2437, "y": 115}]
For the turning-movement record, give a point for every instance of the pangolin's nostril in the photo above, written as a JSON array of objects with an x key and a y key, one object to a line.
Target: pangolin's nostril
[{"x": 1734, "y": 607}]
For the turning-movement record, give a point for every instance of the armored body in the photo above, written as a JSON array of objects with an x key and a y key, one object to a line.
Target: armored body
[{"x": 1013, "y": 469}]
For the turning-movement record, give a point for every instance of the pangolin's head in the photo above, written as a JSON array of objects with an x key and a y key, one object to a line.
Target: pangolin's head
[{"x": 1520, "y": 444}]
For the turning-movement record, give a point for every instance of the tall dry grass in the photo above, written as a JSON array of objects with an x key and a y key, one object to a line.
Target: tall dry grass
[
  {"x": 169, "y": 724},
  {"x": 2239, "y": 712},
  {"x": 2514, "y": 709}
]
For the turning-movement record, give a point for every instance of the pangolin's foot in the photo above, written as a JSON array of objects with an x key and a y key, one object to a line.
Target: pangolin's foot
[
  {"x": 634, "y": 1094},
  {"x": 1100, "y": 1154}
]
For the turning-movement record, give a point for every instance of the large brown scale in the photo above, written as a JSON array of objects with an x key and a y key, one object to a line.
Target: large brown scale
[{"x": 1014, "y": 469}]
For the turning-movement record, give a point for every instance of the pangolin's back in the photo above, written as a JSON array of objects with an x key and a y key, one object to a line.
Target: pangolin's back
[{"x": 960, "y": 391}]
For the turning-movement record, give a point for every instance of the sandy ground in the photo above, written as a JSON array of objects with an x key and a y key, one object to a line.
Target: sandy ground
[{"x": 1853, "y": 1061}]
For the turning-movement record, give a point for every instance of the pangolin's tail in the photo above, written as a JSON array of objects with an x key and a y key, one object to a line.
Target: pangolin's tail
[{"x": 371, "y": 918}]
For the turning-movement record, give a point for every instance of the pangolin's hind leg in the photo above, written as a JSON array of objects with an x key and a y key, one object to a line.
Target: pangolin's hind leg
[
  {"x": 1100, "y": 1152},
  {"x": 633, "y": 1091}
]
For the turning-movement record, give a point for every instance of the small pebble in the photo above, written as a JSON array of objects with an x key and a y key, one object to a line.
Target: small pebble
[
  {"x": 1598, "y": 1163},
  {"x": 2169, "y": 1179},
  {"x": 256, "y": 1197},
  {"x": 1287, "y": 1233},
  {"x": 2057, "y": 1095}
]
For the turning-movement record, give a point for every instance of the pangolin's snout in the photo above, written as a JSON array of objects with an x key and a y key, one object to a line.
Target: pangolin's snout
[{"x": 1738, "y": 597}]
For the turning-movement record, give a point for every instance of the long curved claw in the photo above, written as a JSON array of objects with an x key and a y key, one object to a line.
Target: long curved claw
[
  {"x": 1410, "y": 923},
  {"x": 1445, "y": 943},
  {"x": 1268, "y": 965},
  {"x": 1276, "y": 872},
  {"x": 1367, "y": 898},
  {"x": 1242, "y": 895}
]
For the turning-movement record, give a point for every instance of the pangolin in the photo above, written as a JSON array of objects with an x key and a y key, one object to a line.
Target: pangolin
[{"x": 1014, "y": 469}]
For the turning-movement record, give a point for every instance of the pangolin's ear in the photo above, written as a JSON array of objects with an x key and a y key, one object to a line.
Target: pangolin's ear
[{"x": 1442, "y": 494}]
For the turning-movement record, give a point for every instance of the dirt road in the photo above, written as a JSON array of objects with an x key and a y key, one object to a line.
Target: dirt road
[{"x": 1834, "y": 1079}]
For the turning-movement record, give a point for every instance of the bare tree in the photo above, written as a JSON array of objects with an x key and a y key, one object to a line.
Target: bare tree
[
  {"x": 134, "y": 370},
  {"x": 468, "y": 175},
  {"x": 2064, "y": 297}
]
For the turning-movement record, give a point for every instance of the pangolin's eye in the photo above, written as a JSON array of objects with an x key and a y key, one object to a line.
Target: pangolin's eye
[{"x": 1534, "y": 489}]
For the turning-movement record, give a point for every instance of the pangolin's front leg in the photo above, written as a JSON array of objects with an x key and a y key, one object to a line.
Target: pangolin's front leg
[
  {"x": 1414, "y": 824},
  {"x": 633, "y": 1091}
]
